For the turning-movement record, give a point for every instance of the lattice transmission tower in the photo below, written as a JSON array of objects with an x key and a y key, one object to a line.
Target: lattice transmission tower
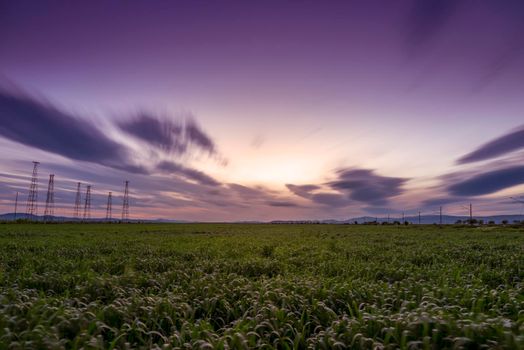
[
  {"x": 32, "y": 198},
  {"x": 16, "y": 204},
  {"x": 87, "y": 204},
  {"x": 78, "y": 199},
  {"x": 125, "y": 204},
  {"x": 109, "y": 207},
  {"x": 50, "y": 199}
]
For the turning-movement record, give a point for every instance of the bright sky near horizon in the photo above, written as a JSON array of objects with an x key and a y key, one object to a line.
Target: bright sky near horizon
[{"x": 265, "y": 110}]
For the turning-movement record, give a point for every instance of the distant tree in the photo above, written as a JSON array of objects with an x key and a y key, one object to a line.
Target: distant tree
[
  {"x": 356, "y": 222},
  {"x": 481, "y": 222},
  {"x": 504, "y": 222},
  {"x": 406, "y": 223},
  {"x": 491, "y": 222},
  {"x": 458, "y": 222}
]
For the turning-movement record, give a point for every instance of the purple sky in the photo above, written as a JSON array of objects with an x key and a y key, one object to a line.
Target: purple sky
[{"x": 265, "y": 110}]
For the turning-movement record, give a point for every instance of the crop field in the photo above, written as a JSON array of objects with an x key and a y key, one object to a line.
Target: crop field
[{"x": 236, "y": 286}]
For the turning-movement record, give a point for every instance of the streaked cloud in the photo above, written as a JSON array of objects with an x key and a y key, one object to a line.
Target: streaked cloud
[
  {"x": 37, "y": 123},
  {"x": 188, "y": 173},
  {"x": 502, "y": 145},
  {"x": 168, "y": 134},
  {"x": 350, "y": 186},
  {"x": 488, "y": 182}
]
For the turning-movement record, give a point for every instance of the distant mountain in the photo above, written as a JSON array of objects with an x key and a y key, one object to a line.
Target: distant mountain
[
  {"x": 424, "y": 219},
  {"x": 11, "y": 217}
]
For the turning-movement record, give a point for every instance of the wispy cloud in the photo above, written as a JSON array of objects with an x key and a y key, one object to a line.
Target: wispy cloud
[
  {"x": 502, "y": 145},
  {"x": 188, "y": 173},
  {"x": 170, "y": 135},
  {"x": 488, "y": 182},
  {"x": 364, "y": 185},
  {"x": 39, "y": 124},
  {"x": 352, "y": 185}
]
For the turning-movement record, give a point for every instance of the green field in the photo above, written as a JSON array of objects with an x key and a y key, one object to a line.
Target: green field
[{"x": 260, "y": 286}]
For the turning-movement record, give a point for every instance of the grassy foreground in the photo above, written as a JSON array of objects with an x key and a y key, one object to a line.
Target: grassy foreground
[{"x": 260, "y": 286}]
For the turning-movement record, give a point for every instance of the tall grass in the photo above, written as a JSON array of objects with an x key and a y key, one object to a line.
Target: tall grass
[{"x": 260, "y": 286}]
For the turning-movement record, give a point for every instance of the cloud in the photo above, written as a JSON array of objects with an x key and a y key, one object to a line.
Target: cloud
[
  {"x": 167, "y": 134},
  {"x": 352, "y": 185},
  {"x": 489, "y": 182},
  {"x": 188, "y": 173},
  {"x": 39, "y": 124},
  {"x": 249, "y": 192},
  {"x": 286, "y": 204},
  {"x": 302, "y": 190},
  {"x": 364, "y": 185},
  {"x": 497, "y": 147}
]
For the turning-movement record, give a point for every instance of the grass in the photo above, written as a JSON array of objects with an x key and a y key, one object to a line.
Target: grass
[{"x": 260, "y": 286}]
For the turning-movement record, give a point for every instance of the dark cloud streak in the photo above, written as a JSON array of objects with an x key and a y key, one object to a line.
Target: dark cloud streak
[
  {"x": 188, "y": 173},
  {"x": 497, "y": 147},
  {"x": 39, "y": 124},
  {"x": 352, "y": 185},
  {"x": 489, "y": 182},
  {"x": 167, "y": 134}
]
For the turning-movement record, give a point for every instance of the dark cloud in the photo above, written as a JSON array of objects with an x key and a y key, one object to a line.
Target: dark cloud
[
  {"x": 497, "y": 147},
  {"x": 188, "y": 173},
  {"x": 352, "y": 185},
  {"x": 38, "y": 124},
  {"x": 167, "y": 134},
  {"x": 489, "y": 182},
  {"x": 364, "y": 185},
  {"x": 331, "y": 199},
  {"x": 302, "y": 190},
  {"x": 248, "y": 192},
  {"x": 282, "y": 204}
]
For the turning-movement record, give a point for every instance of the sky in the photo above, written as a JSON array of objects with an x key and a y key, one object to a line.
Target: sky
[{"x": 270, "y": 110}]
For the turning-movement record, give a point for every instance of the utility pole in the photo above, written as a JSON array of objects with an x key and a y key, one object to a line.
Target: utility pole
[
  {"x": 470, "y": 208},
  {"x": 87, "y": 204},
  {"x": 16, "y": 204},
  {"x": 403, "y": 218},
  {"x": 440, "y": 215},
  {"x": 125, "y": 204},
  {"x": 109, "y": 208},
  {"x": 50, "y": 199},
  {"x": 32, "y": 198},
  {"x": 419, "y": 217},
  {"x": 78, "y": 199}
]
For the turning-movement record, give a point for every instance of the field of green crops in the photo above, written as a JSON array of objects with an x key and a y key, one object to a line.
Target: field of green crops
[{"x": 220, "y": 286}]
